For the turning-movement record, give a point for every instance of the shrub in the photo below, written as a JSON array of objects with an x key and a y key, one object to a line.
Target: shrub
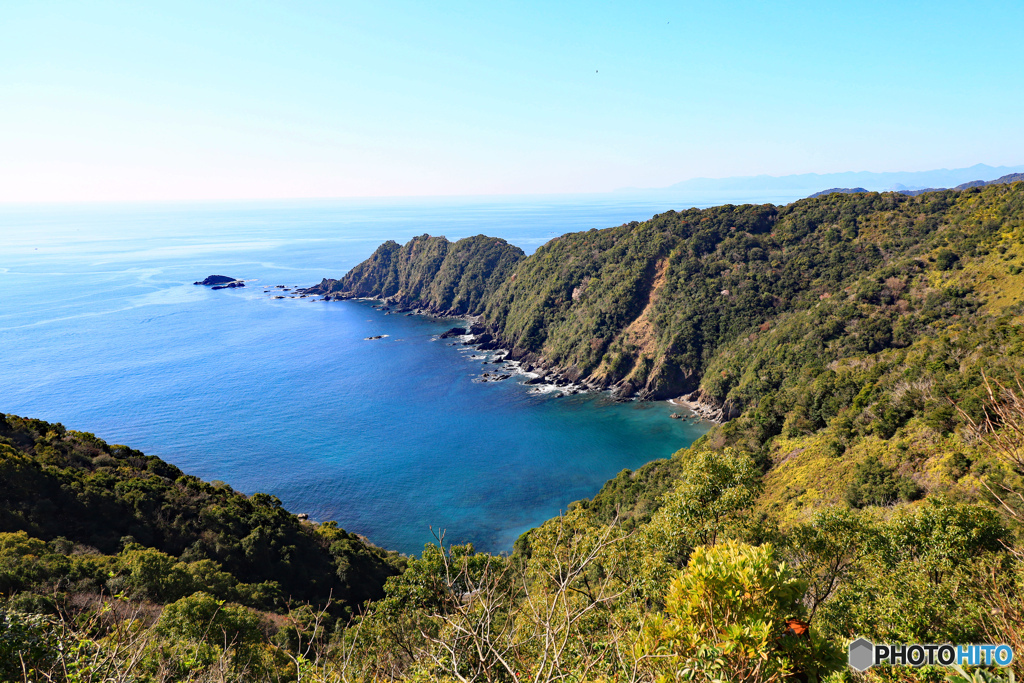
[
  {"x": 945, "y": 259},
  {"x": 202, "y": 617},
  {"x": 26, "y": 639},
  {"x": 874, "y": 483},
  {"x": 917, "y": 575},
  {"x": 726, "y": 618}
]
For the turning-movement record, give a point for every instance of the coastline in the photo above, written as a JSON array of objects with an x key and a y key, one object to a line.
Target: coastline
[
  {"x": 260, "y": 366},
  {"x": 705, "y": 412},
  {"x": 541, "y": 377},
  {"x": 561, "y": 385}
]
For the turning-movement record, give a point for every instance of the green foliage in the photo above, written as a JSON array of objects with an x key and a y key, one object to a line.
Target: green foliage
[
  {"x": 915, "y": 577},
  {"x": 568, "y": 606},
  {"x": 875, "y": 484},
  {"x": 633, "y": 496},
  {"x": 213, "y": 626},
  {"x": 711, "y": 499},
  {"x": 26, "y": 640},
  {"x": 31, "y": 565},
  {"x": 427, "y": 585},
  {"x": 726, "y": 618},
  {"x": 409, "y": 616},
  {"x": 945, "y": 259},
  {"x": 180, "y": 534},
  {"x": 824, "y": 553},
  {"x": 979, "y": 676},
  {"x": 150, "y": 574}
]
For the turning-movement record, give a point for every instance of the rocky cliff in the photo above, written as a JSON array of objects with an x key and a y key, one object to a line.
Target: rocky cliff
[{"x": 429, "y": 273}]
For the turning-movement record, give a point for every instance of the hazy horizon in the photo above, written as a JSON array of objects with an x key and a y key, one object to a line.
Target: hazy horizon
[
  {"x": 195, "y": 101},
  {"x": 704, "y": 190}
]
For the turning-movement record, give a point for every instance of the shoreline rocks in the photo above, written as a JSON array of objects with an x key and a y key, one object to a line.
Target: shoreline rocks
[
  {"x": 542, "y": 376},
  {"x": 706, "y": 408}
]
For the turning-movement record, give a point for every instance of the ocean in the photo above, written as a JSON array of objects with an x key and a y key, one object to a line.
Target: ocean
[{"x": 101, "y": 329}]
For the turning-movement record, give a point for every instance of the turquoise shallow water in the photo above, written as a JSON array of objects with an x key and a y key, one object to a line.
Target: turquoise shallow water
[{"x": 102, "y": 330}]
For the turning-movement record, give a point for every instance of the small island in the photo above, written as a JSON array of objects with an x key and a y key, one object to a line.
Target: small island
[{"x": 221, "y": 282}]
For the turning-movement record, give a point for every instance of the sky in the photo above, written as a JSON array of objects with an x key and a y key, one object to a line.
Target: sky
[{"x": 109, "y": 101}]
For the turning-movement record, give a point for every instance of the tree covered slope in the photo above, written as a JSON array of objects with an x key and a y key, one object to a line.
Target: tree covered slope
[
  {"x": 649, "y": 307},
  {"x": 430, "y": 273},
  {"x": 72, "y": 486},
  {"x": 654, "y": 304}
]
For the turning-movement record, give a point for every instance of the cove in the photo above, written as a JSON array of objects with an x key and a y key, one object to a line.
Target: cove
[{"x": 102, "y": 330}]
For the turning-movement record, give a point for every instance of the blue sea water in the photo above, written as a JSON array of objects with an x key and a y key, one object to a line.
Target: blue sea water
[{"x": 101, "y": 329}]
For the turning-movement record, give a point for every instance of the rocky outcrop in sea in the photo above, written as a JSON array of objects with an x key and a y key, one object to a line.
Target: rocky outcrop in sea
[{"x": 220, "y": 282}]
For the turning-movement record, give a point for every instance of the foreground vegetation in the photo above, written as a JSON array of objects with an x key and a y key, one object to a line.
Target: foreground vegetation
[
  {"x": 870, "y": 485},
  {"x": 706, "y": 587}
]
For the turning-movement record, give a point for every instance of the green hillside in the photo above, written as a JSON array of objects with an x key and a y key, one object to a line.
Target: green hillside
[
  {"x": 830, "y": 328},
  {"x": 647, "y": 307},
  {"x": 96, "y": 501},
  {"x": 430, "y": 274},
  {"x": 652, "y": 304}
]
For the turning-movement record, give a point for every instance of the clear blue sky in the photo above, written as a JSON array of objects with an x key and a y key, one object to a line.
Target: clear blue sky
[{"x": 205, "y": 100}]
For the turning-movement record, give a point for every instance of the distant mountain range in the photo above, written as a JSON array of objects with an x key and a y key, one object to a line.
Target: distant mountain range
[
  {"x": 814, "y": 182},
  {"x": 1004, "y": 180}
]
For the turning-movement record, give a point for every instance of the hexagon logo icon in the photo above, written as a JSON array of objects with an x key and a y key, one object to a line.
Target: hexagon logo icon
[{"x": 861, "y": 654}]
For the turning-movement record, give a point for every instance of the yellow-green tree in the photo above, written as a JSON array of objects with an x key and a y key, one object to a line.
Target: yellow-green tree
[{"x": 728, "y": 618}]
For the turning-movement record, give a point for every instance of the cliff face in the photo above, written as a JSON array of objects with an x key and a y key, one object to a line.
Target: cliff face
[
  {"x": 634, "y": 307},
  {"x": 430, "y": 273},
  {"x": 689, "y": 301}
]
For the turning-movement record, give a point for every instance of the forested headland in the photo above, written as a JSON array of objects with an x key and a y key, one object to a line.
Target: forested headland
[{"x": 866, "y": 347}]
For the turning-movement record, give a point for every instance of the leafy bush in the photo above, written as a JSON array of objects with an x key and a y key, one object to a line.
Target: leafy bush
[
  {"x": 27, "y": 640},
  {"x": 874, "y": 483},
  {"x": 945, "y": 259},
  {"x": 726, "y": 618},
  {"x": 917, "y": 575},
  {"x": 208, "y": 628}
]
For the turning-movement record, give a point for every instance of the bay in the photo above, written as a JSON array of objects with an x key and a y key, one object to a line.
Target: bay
[{"x": 102, "y": 330}]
